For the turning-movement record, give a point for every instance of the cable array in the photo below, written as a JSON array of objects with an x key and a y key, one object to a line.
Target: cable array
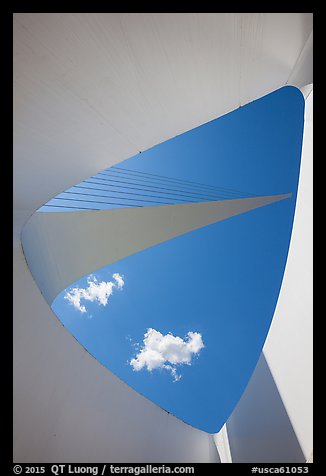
[{"x": 122, "y": 187}]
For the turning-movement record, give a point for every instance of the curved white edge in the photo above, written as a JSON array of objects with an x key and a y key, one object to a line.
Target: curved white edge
[
  {"x": 215, "y": 437},
  {"x": 46, "y": 106},
  {"x": 91, "y": 90},
  {"x": 273, "y": 421},
  {"x": 61, "y": 248},
  {"x": 68, "y": 407},
  {"x": 289, "y": 345},
  {"x": 221, "y": 440}
]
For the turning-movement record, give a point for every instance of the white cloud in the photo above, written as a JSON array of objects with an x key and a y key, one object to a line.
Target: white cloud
[
  {"x": 95, "y": 291},
  {"x": 119, "y": 280},
  {"x": 166, "y": 351}
]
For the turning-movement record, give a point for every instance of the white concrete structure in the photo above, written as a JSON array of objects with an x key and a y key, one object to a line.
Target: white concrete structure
[
  {"x": 91, "y": 90},
  {"x": 285, "y": 367},
  {"x": 49, "y": 240}
]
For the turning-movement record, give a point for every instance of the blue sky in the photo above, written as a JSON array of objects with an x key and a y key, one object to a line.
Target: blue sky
[{"x": 219, "y": 283}]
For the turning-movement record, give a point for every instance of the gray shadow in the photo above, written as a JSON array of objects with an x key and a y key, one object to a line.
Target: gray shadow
[{"x": 259, "y": 428}]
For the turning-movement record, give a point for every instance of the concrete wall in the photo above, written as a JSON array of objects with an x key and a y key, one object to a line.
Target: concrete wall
[
  {"x": 259, "y": 429},
  {"x": 289, "y": 345}
]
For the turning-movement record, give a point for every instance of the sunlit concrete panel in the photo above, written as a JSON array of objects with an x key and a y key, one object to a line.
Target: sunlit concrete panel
[
  {"x": 289, "y": 344},
  {"x": 259, "y": 429},
  {"x": 91, "y": 90}
]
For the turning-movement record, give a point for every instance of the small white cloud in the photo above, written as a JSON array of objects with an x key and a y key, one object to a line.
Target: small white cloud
[
  {"x": 95, "y": 291},
  {"x": 119, "y": 280},
  {"x": 166, "y": 351}
]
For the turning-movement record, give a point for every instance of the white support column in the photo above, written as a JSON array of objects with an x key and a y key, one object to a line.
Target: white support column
[
  {"x": 273, "y": 421},
  {"x": 222, "y": 444},
  {"x": 289, "y": 345}
]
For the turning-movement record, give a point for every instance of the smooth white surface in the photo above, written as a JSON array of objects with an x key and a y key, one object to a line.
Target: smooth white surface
[
  {"x": 93, "y": 89},
  {"x": 259, "y": 428},
  {"x": 274, "y": 417},
  {"x": 301, "y": 74},
  {"x": 289, "y": 345},
  {"x": 69, "y": 408},
  {"x": 222, "y": 443},
  {"x": 61, "y": 248}
]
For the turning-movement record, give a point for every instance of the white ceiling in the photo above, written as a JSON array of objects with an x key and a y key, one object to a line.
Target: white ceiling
[{"x": 92, "y": 89}]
